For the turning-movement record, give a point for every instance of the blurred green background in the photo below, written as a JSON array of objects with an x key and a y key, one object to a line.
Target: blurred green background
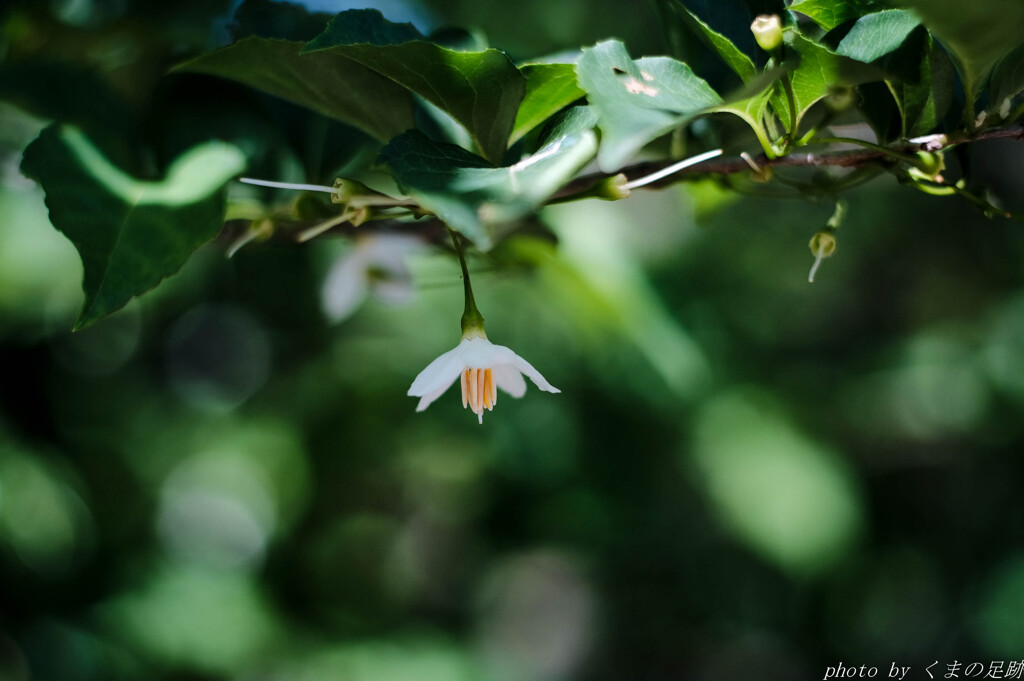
[{"x": 745, "y": 476}]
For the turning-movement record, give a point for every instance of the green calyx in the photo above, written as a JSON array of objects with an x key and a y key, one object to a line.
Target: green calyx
[{"x": 472, "y": 320}]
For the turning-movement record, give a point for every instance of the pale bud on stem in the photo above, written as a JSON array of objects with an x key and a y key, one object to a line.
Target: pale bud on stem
[{"x": 767, "y": 30}]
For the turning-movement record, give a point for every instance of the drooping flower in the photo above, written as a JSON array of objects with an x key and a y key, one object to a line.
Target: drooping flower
[
  {"x": 375, "y": 264},
  {"x": 483, "y": 368}
]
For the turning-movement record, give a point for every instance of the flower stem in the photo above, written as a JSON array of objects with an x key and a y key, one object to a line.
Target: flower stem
[{"x": 472, "y": 320}]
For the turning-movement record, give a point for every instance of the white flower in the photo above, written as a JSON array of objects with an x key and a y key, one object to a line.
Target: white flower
[
  {"x": 484, "y": 367},
  {"x": 376, "y": 264}
]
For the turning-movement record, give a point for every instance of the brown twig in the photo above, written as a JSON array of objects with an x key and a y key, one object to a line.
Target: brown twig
[
  {"x": 433, "y": 229},
  {"x": 837, "y": 159}
]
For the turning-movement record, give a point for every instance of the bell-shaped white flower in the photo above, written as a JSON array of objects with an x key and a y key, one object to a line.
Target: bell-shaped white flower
[
  {"x": 375, "y": 264},
  {"x": 483, "y": 368}
]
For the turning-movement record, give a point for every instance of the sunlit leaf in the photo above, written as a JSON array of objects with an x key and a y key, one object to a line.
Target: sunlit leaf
[
  {"x": 638, "y": 101},
  {"x": 878, "y": 34},
  {"x": 750, "y": 103},
  {"x": 130, "y": 234},
  {"x": 831, "y": 13},
  {"x": 817, "y": 72},
  {"x": 471, "y": 196},
  {"x": 549, "y": 89},
  {"x": 481, "y": 90}
]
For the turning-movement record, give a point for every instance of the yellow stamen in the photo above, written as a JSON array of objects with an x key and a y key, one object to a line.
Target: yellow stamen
[
  {"x": 471, "y": 379},
  {"x": 480, "y": 384},
  {"x": 479, "y": 391},
  {"x": 488, "y": 389}
]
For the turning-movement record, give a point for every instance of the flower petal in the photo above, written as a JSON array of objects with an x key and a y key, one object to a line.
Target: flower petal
[
  {"x": 480, "y": 353},
  {"x": 429, "y": 398},
  {"x": 344, "y": 288},
  {"x": 439, "y": 374},
  {"x": 534, "y": 375},
  {"x": 508, "y": 378}
]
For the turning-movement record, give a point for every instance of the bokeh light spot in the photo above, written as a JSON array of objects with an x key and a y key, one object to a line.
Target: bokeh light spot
[{"x": 782, "y": 494}]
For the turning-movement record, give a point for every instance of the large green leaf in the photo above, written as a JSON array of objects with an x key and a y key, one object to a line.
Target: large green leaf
[
  {"x": 327, "y": 82},
  {"x": 831, "y": 13},
  {"x": 878, "y": 34},
  {"x": 924, "y": 102},
  {"x": 978, "y": 32},
  {"x": 481, "y": 90},
  {"x": 638, "y": 101},
  {"x": 816, "y": 73},
  {"x": 733, "y": 56},
  {"x": 549, "y": 89},
  {"x": 474, "y": 198},
  {"x": 130, "y": 234}
]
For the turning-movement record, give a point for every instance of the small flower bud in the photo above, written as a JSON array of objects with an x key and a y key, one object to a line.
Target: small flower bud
[
  {"x": 1004, "y": 109},
  {"x": 767, "y": 30},
  {"x": 930, "y": 163},
  {"x": 346, "y": 190},
  {"x": 822, "y": 245},
  {"x": 611, "y": 188}
]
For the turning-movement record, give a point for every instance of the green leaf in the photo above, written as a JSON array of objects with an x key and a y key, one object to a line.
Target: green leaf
[
  {"x": 481, "y": 90},
  {"x": 1007, "y": 79},
  {"x": 816, "y": 73},
  {"x": 831, "y": 13},
  {"x": 878, "y": 34},
  {"x": 130, "y": 234},
  {"x": 327, "y": 83},
  {"x": 638, "y": 101},
  {"x": 750, "y": 103},
  {"x": 924, "y": 103},
  {"x": 733, "y": 56},
  {"x": 469, "y": 195},
  {"x": 978, "y": 33},
  {"x": 549, "y": 89}
]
